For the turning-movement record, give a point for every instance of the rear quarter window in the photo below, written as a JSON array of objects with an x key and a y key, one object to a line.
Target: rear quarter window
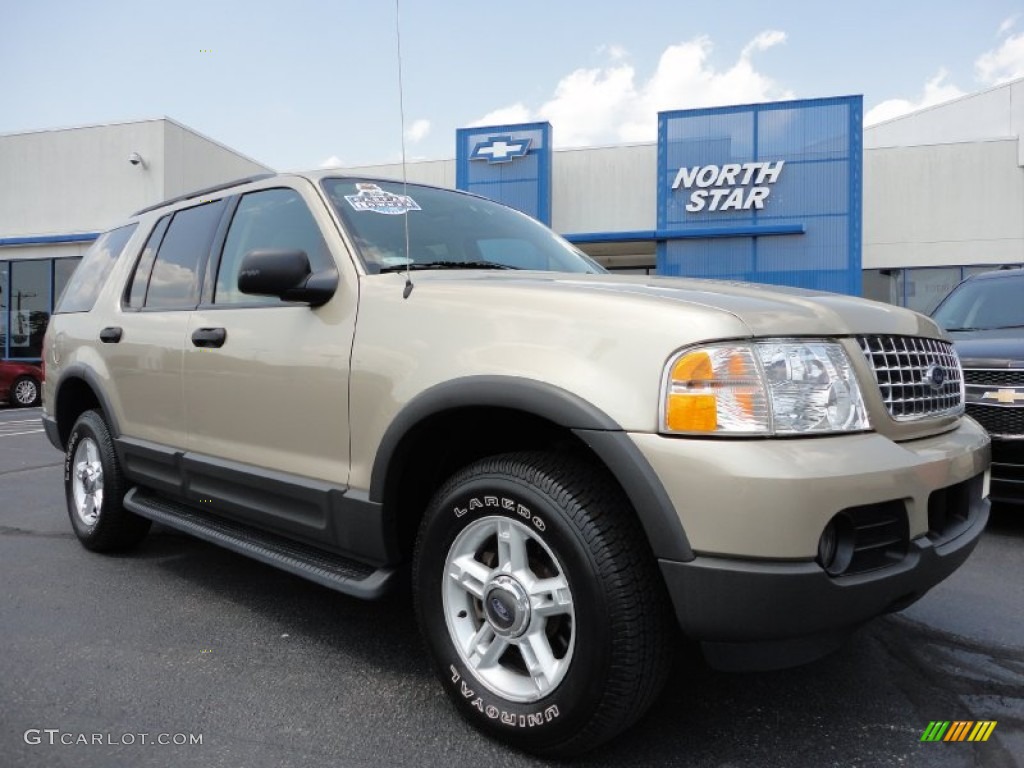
[{"x": 85, "y": 284}]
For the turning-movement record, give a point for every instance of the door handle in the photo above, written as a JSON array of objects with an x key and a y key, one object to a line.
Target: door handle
[
  {"x": 111, "y": 335},
  {"x": 209, "y": 337}
]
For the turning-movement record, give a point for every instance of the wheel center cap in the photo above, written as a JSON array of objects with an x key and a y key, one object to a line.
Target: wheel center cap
[
  {"x": 506, "y": 606},
  {"x": 88, "y": 478}
]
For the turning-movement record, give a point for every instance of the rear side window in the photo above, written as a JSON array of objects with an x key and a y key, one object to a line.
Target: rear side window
[
  {"x": 86, "y": 283},
  {"x": 173, "y": 281}
]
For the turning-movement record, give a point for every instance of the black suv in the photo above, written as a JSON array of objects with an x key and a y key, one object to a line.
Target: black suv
[{"x": 985, "y": 317}]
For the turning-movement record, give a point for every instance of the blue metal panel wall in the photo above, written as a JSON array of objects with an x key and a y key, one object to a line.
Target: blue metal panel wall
[
  {"x": 507, "y": 163},
  {"x": 816, "y": 191}
]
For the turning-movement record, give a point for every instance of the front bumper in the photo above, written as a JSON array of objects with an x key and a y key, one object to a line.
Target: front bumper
[
  {"x": 765, "y": 615},
  {"x": 1008, "y": 470},
  {"x": 754, "y": 512}
]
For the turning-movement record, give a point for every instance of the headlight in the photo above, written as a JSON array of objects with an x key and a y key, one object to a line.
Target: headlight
[{"x": 762, "y": 388}]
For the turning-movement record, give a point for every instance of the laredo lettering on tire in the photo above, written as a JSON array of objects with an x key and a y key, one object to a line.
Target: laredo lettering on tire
[
  {"x": 94, "y": 488},
  {"x": 540, "y": 601}
]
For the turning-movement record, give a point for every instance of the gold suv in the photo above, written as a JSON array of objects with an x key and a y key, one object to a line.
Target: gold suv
[{"x": 354, "y": 380}]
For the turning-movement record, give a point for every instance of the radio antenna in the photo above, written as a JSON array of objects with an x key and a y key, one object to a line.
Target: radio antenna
[{"x": 405, "y": 175}]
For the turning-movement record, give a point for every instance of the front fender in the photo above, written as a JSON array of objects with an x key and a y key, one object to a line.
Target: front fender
[{"x": 593, "y": 427}]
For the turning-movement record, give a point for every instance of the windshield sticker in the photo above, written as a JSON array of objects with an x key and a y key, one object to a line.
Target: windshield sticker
[{"x": 372, "y": 198}]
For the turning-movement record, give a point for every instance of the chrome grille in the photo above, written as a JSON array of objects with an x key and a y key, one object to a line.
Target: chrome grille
[
  {"x": 997, "y": 421},
  {"x": 918, "y": 378},
  {"x": 995, "y": 377}
]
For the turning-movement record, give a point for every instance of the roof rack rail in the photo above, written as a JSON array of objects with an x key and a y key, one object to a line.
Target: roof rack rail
[{"x": 204, "y": 191}]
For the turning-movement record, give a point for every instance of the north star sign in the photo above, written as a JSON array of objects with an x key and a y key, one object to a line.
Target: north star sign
[
  {"x": 729, "y": 187},
  {"x": 500, "y": 149}
]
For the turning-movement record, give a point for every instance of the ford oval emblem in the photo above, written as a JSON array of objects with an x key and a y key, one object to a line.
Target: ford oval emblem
[
  {"x": 501, "y": 610},
  {"x": 935, "y": 376}
]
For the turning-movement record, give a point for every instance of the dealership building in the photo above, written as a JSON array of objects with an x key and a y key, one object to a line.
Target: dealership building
[{"x": 793, "y": 193}]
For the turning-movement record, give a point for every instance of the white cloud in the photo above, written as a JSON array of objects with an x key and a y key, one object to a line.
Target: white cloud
[
  {"x": 1003, "y": 63},
  {"x": 607, "y": 104},
  {"x": 936, "y": 90},
  {"x": 589, "y": 103},
  {"x": 516, "y": 113},
  {"x": 332, "y": 162},
  {"x": 613, "y": 52},
  {"x": 763, "y": 41},
  {"x": 998, "y": 65},
  {"x": 418, "y": 131}
]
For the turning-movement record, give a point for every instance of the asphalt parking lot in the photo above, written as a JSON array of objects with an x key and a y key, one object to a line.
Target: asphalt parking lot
[{"x": 182, "y": 639}]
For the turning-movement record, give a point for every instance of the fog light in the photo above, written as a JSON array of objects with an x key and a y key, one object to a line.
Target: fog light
[
  {"x": 835, "y": 547},
  {"x": 827, "y": 546}
]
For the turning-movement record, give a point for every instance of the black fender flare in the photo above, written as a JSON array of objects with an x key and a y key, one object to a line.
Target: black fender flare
[
  {"x": 79, "y": 371},
  {"x": 598, "y": 431}
]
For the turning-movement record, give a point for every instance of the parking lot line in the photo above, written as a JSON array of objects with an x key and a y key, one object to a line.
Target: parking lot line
[{"x": 20, "y": 427}]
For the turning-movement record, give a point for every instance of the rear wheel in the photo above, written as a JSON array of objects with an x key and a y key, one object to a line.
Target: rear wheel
[
  {"x": 94, "y": 487},
  {"x": 540, "y": 601}
]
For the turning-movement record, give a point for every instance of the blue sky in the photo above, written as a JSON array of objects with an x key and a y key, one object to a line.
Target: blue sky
[{"x": 302, "y": 83}]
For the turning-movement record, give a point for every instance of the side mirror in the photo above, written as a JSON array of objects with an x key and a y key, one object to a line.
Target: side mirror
[{"x": 285, "y": 274}]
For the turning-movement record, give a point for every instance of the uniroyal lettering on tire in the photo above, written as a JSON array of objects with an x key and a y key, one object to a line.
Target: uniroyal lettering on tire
[{"x": 540, "y": 602}]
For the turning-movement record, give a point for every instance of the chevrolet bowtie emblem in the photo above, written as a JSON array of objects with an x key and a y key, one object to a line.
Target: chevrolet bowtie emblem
[
  {"x": 1008, "y": 396},
  {"x": 501, "y": 149}
]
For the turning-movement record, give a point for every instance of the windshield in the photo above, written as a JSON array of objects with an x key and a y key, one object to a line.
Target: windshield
[
  {"x": 447, "y": 230},
  {"x": 983, "y": 304}
]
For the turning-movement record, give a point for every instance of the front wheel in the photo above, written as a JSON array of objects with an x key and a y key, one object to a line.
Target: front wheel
[{"x": 540, "y": 602}]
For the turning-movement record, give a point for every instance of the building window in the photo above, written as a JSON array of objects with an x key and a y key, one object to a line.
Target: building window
[
  {"x": 4, "y": 266},
  {"x": 883, "y": 285},
  {"x": 28, "y": 289},
  {"x": 29, "y": 310}
]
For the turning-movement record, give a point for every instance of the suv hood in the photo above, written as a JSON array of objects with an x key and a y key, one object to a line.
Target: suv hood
[
  {"x": 764, "y": 310},
  {"x": 997, "y": 348}
]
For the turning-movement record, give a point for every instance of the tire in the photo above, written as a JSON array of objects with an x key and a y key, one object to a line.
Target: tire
[
  {"x": 24, "y": 392},
  {"x": 94, "y": 488},
  {"x": 556, "y": 639}
]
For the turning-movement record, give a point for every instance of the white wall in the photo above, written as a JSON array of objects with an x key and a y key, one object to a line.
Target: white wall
[
  {"x": 996, "y": 113},
  {"x": 77, "y": 180},
  {"x": 604, "y": 189},
  {"x": 943, "y": 204},
  {"x": 192, "y": 161}
]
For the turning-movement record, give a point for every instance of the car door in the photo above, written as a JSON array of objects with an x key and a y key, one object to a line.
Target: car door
[
  {"x": 266, "y": 381},
  {"x": 143, "y": 344}
]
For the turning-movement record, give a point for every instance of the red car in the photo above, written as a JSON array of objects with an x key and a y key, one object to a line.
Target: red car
[{"x": 20, "y": 383}]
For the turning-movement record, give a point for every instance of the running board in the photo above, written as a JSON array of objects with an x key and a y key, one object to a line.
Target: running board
[{"x": 325, "y": 568}]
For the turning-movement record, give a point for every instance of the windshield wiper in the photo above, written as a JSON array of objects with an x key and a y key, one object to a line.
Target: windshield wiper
[{"x": 418, "y": 265}]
